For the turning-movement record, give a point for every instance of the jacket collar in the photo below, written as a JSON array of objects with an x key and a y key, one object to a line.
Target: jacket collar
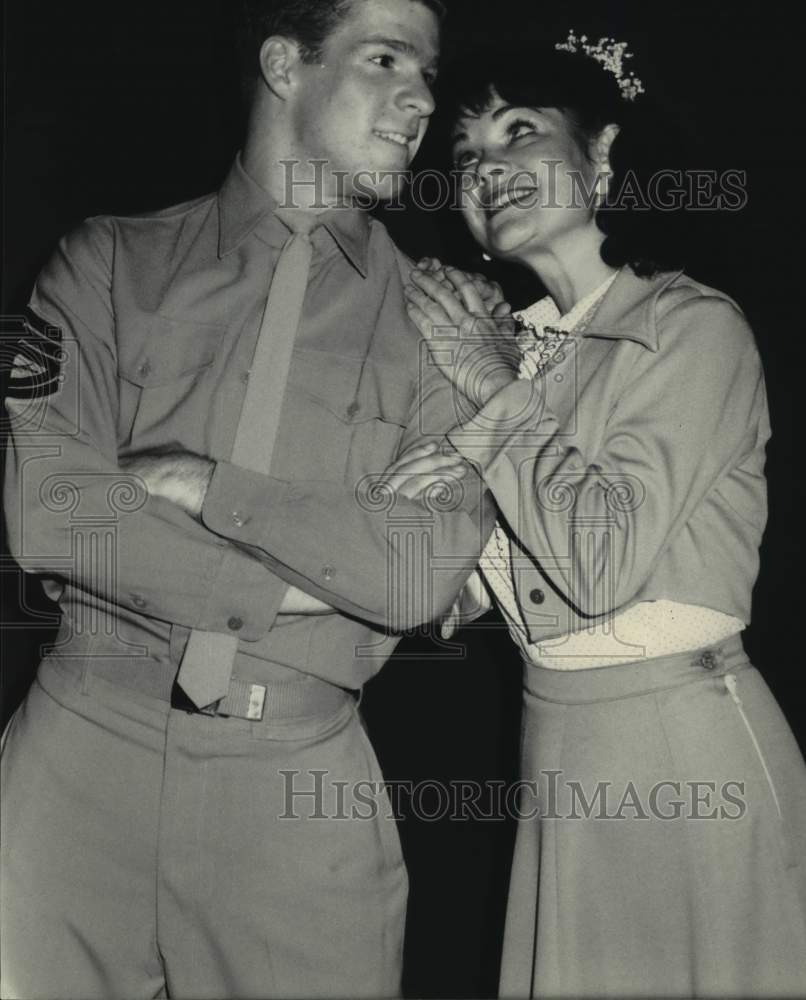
[
  {"x": 243, "y": 206},
  {"x": 627, "y": 310}
]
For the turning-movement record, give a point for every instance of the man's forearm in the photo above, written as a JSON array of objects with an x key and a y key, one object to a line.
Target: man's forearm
[
  {"x": 183, "y": 479},
  {"x": 179, "y": 477}
]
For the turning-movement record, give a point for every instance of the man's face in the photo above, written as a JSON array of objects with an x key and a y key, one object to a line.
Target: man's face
[{"x": 364, "y": 106}]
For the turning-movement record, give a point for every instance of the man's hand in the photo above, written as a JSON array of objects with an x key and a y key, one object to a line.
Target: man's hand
[
  {"x": 179, "y": 477},
  {"x": 297, "y": 602},
  {"x": 423, "y": 467},
  {"x": 472, "y": 602}
]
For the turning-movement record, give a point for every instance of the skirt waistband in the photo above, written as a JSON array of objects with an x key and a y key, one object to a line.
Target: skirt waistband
[{"x": 627, "y": 680}]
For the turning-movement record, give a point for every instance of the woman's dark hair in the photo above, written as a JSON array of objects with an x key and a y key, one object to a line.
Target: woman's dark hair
[{"x": 640, "y": 226}]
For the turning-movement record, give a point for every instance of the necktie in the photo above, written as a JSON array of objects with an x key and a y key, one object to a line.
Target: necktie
[{"x": 206, "y": 667}]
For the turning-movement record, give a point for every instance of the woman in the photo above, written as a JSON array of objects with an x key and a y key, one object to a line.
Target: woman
[{"x": 665, "y": 853}]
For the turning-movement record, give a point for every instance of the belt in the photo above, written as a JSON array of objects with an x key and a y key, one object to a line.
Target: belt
[{"x": 274, "y": 700}]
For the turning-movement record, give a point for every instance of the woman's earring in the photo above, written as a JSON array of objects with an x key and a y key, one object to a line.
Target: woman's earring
[{"x": 602, "y": 186}]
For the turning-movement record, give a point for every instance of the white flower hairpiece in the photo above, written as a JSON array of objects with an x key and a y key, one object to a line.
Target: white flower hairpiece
[{"x": 610, "y": 54}]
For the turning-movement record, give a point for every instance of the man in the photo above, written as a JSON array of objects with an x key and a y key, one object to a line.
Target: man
[{"x": 181, "y": 787}]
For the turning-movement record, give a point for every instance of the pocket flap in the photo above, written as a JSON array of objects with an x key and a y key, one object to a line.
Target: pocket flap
[
  {"x": 170, "y": 349},
  {"x": 351, "y": 390}
]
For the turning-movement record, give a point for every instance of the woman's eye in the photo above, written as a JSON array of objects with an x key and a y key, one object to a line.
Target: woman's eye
[
  {"x": 518, "y": 129},
  {"x": 464, "y": 161}
]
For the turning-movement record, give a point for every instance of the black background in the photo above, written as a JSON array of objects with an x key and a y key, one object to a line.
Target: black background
[{"x": 118, "y": 107}]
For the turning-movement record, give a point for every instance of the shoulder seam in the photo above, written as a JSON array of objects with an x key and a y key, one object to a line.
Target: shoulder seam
[{"x": 170, "y": 212}]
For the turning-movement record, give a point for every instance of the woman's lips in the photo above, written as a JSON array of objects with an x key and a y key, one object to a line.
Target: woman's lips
[{"x": 523, "y": 198}]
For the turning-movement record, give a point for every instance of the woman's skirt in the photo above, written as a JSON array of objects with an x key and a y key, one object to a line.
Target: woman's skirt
[{"x": 661, "y": 847}]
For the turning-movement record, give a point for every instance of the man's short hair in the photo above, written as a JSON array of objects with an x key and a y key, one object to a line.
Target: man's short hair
[{"x": 308, "y": 22}]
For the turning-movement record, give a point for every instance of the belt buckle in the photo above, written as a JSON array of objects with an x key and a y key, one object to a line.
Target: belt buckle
[
  {"x": 257, "y": 702},
  {"x": 252, "y": 707}
]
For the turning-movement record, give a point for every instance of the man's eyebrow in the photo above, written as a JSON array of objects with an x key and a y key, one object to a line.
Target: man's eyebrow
[{"x": 400, "y": 45}]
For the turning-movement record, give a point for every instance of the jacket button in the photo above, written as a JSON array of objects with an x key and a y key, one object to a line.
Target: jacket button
[
  {"x": 144, "y": 368},
  {"x": 235, "y": 624},
  {"x": 238, "y": 519},
  {"x": 138, "y": 601},
  {"x": 536, "y": 596},
  {"x": 328, "y": 572},
  {"x": 708, "y": 660},
  {"x": 353, "y": 409}
]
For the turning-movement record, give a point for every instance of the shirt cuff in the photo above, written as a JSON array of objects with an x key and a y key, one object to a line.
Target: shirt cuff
[
  {"x": 245, "y": 598},
  {"x": 239, "y": 504}
]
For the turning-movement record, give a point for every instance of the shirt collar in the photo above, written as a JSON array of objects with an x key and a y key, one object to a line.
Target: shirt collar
[
  {"x": 243, "y": 205},
  {"x": 628, "y": 308},
  {"x": 545, "y": 312},
  {"x": 625, "y": 309}
]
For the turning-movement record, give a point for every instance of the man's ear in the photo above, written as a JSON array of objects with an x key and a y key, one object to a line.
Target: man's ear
[{"x": 279, "y": 56}]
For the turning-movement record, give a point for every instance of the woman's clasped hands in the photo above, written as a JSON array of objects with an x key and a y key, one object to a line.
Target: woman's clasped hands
[{"x": 467, "y": 326}]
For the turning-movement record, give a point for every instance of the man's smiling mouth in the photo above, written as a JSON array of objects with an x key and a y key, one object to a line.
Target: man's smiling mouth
[{"x": 398, "y": 138}]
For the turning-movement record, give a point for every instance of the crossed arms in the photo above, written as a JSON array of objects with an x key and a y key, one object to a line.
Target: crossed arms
[{"x": 179, "y": 553}]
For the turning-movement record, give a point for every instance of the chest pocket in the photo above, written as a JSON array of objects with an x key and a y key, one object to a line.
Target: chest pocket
[
  {"x": 164, "y": 389},
  {"x": 340, "y": 416}
]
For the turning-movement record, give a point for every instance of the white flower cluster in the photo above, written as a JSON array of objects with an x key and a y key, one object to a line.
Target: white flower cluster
[{"x": 610, "y": 54}]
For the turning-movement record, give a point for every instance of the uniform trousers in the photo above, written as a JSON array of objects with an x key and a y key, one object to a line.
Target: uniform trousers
[{"x": 148, "y": 851}]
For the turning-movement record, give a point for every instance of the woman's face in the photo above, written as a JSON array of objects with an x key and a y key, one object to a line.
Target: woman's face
[{"x": 528, "y": 188}]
